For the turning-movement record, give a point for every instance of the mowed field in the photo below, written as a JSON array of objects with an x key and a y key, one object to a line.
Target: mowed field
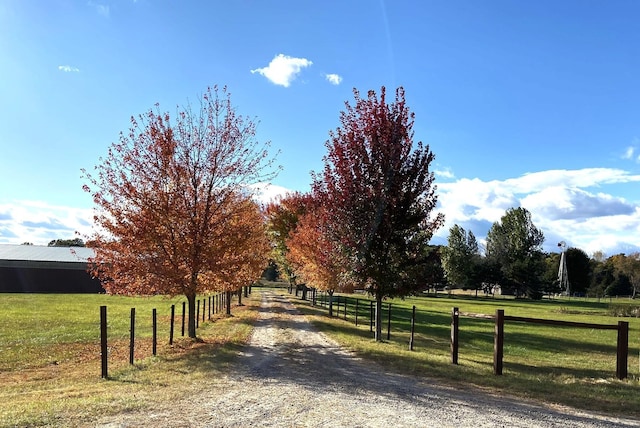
[
  {"x": 50, "y": 352},
  {"x": 558, "y": 365},
  {"x": 50, "y": 366}
]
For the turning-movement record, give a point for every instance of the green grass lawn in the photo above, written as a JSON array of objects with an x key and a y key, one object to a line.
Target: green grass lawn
[
  {"x": 562, "y": 365},
  {"x": 50, "y": 352},
  {"x": 50, "y": 371}
]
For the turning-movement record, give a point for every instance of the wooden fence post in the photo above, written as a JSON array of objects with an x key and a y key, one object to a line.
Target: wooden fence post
[
  {"x": 371, "y": 316},
  {"x": 498, "y": 342},
  {"x": 357, "y": 312},
  {"x": 183, "y": 305},
  {"x": 197, "y": 313},
  {"x": 455, "y": 320},
  {"x": 173, "y": 315},
  {"x": 345, "y": 307},
  {"x": 389, "y": 321},
  {"x": 622, "y": 350},
  {"x": 132, "y": 335},
  {"x": 155, "y": 330},
  {"x": 413, "y": 327},
  {"x": 103, "y": 340}
]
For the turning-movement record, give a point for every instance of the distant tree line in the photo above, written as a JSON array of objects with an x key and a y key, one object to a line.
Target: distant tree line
[
  {"x": 514, "y": 263},
  {"x": 75, "y": 242}
]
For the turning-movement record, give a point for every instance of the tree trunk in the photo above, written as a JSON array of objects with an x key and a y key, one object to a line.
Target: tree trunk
[
  {"x": 191, "y": 300},
  {"x": 246, "y": 291},
  {"x": 304, "y": 292},
  {"x": 228, "y": 299},
  {"x": 378, "y": 332},
  {"x": 240, "y": 296}
]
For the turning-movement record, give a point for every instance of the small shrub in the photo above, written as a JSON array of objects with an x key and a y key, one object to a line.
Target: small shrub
[{"x": 621, "y": 310}]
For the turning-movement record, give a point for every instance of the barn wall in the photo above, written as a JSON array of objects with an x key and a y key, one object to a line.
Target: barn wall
[{"x": 47, "y": 280}]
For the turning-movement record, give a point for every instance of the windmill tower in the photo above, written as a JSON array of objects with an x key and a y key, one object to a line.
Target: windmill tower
[{"x": 563, "y": 275}]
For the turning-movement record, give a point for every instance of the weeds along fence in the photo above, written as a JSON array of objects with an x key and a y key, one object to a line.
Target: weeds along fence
[
  {"x": 206, "y": 308},
  {"x": 361, "y": 312}
]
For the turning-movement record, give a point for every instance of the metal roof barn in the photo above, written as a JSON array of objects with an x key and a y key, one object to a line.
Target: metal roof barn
[{"x": 40, "y": 269}]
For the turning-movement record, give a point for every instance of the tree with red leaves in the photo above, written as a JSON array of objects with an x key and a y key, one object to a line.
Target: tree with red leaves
[
  {"x": 174, "y": 214},
  {"x": 316, "y": 259},
  {"x": 283, "y": 215},
  {"x": 378, "y": 195}
]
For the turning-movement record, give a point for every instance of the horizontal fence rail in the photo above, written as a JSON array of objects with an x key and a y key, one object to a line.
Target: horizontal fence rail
[
  {"x": 361, "y": 310},
  {"x": 622, "y": 346}
]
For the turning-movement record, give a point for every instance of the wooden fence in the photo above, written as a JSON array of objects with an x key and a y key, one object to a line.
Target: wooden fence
[
  {"x": 210, "y": 305},
  {"x": 366, "y": 307}
]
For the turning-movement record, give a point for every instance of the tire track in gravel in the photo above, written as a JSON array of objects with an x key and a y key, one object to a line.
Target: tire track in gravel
[{"x": 290, "y": 375}]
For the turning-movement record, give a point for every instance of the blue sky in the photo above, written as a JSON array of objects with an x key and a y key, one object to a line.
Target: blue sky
[{"x": 533, "y": 104}]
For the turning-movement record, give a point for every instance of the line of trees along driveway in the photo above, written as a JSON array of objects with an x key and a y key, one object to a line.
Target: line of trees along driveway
[
  {"x": 371, "y": 215},
  {"x": 173, "y": 211}
]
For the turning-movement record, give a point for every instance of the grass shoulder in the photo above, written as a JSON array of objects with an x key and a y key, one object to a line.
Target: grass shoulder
[
  {"x": 55, "y": 379},
  {"x": 550, "y": 365}
]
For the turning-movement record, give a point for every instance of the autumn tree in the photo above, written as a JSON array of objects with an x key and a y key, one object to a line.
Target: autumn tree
[
  {"x": 514, "y": 244},
  {"x": 315, "y": 256},
  {"x": 173, "y": 212},
  {"x": 282, "y": 219},
  {"x": 378, "y": 195}
]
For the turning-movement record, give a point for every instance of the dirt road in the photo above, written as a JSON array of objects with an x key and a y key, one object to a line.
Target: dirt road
[{"x": 290, "y": 375}]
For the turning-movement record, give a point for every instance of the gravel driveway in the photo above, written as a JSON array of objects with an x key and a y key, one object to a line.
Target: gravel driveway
[{"x": 290, "y": 375}]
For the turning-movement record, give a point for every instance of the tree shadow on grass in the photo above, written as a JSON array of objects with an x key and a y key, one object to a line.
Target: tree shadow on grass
[{"x": 300, "y": 357}]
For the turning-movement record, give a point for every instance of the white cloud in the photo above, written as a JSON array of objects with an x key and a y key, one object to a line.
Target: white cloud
[
  {"x": 267, "y": 192},
  {"x": 68, "y": 69},
  {"x": 444, "y": 173},
  {"x": 561, "y": 204},
  {"x": 628, "y": 154},
  {"x": 334, "y": 79},
  {"x": 100, "y": 8},
  {"x": 283, "y": 69},
  {"x": 39, "y": 223}
]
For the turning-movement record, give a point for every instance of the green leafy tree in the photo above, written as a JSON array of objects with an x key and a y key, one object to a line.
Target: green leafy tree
[
  {"x": 628, "y": 267},
  {"x": 460, "y": 258},
  {"x": 379, "y": 194},
  {"x": 514, "y": 243},
  {"x": 75, "y": 242},
  {"x": 603, "y": 276},
  {"x": 579, "y": 270},
  {"x": 550, "y": 283}
]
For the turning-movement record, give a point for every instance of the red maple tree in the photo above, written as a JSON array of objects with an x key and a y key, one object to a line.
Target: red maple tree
[
  {"x": 315, "y": 257},
  {"x": 173, "y": 211},
  {"x": 283, "y": 215},
  {"x": 378, "y": 195}
]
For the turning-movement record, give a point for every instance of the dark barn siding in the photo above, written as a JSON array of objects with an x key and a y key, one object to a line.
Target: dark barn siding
[{"x": 47, "y": 280}]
